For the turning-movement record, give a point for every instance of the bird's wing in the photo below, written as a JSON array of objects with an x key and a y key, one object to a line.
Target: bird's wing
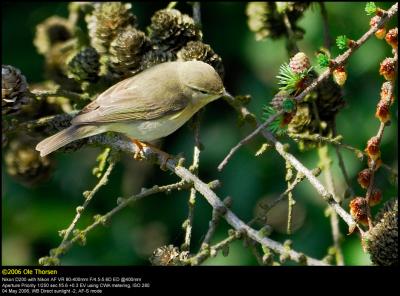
[{"x": 136, "y": 98}]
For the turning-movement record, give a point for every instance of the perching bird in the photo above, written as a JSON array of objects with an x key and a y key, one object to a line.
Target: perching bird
[{"x": 147, "y": 106}]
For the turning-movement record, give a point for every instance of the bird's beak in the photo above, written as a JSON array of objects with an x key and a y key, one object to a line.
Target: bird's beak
[{"x": 226, "y": 94}]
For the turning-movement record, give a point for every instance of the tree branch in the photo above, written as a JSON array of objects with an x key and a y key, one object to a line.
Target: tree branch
[
  {"x": 327, "y": 196},
  {"x": 88, "y": 197},
  {"x": 80, "y": 235},
  {"x": 342, "y": 165},
  {"x": 300, "y": 168},
  {"x": 72, "y": 96},
  {"x": 193, "y": 168},
  {"x": 120, "y": 144},
  {"x": 327, "y": 36},
  {"x": 212, "y": 225},
  {"x": 197, "y": 13},
  {"x": 336, "y": 141},
  {"x": 206, "y": 253},
  {"x": 379, "y": 135},
  {"x": 299, "y": 177},
  {"x": 247, "y": 139},
  {"x": 340, "y": 60},
  {"x": 325, "y": 162}
]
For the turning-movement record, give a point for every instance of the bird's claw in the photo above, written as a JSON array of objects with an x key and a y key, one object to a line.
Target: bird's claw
[
  {"x": 163, "y": 156},
  {"x": 138, "y": 152}
]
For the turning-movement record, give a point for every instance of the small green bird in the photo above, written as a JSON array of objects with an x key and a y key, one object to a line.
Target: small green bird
[{"x": 148, "y": 106}]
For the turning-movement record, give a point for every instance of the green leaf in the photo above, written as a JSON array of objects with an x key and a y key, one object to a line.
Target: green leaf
[
  {"x": 341, "y": 42},
  {"x": 288, "y": 105},
  {"x": 289, "y": 79},
  {"x": 323, "y": 60},
  {"x": 275, "y": 126},
  {"x": 370, "y": 8}
]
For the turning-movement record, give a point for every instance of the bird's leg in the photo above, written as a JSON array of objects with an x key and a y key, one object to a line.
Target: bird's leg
[
  {"x": 164, "y": 156},
  {"x": 140, "y": 146}
]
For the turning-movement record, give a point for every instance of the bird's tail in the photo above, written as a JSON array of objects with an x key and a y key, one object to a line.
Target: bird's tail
[{"x": 65, "y": 137}]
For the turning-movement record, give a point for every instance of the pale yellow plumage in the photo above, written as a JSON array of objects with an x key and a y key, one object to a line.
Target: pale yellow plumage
[{"x": 148, "y": 106}]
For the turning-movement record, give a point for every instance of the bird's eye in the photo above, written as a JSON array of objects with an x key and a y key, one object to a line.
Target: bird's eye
[{"x": 203, "y": 92}]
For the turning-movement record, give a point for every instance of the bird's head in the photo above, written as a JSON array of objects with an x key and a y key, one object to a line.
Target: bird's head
[{"x": 203, "y": 81}]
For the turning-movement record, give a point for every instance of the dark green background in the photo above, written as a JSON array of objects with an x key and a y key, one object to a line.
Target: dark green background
[{"x": 32, "y": 217}]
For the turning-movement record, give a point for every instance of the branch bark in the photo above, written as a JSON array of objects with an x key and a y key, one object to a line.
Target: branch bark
[{"x": 118, "y": 143}]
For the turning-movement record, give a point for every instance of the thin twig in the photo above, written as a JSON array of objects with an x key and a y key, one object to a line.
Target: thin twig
[
  {"x": 212, "y": 225},
  {"x": 325, "y": 163},
  {"x": 194, "y": 168},
  {"x": 283, "y": 195},
  {"x": 299, "y": 177},
  {"x": 118, "y": 142},
  {"x": 372, "y": 168},
  {"x": 390, "y": 169},
  {"x": 256, "y": 252},
  {"x": 338, "y": 144},
  {"x": 291, "y": 202},
  {"x": 318, "y": 138},
  {"x": 232, "y": 219},
  {"x": 247, "y": 139},
  {"x": 338, "y": 61},
  {"x": 88, "y": 197},
  {"x": 206, "y": 253},
  {"x": 53, "y": 123},
  {"x": 342, "y": 165},
  {"x": 103, "y": 219},
  {"x": 342, "y": 59},
  {"x": 325, "y": 194},
  {"x": 299, "y": 167},
  {"x": 72, "y": 96},
  {"x": 196, "y": 13},
  {"x": 122, "y": 144},
  {"x": 379, "y": 135},
  {"x": 292, "y": 185},
  {"x": 291, "y": 39},
  {"x": 188, "y": 225},
  {"x": 244, "y": 113},
  {"x": 327, "y": 36},
  {"x": 204, "y": 189}
]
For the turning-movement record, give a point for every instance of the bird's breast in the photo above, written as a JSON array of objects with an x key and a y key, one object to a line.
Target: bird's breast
[{"x": 149, "y": 130}]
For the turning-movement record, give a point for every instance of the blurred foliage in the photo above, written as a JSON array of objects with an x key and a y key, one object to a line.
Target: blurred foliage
[{"x": 31, "y": 217}]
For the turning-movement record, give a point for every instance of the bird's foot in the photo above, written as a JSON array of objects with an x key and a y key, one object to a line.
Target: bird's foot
[
  {"x": 140, "y": 146},
  {"x": 164, "y": 157}
]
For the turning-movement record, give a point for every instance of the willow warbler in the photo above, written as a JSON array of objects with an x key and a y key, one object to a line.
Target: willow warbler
[{"x": 147, "y": 106}]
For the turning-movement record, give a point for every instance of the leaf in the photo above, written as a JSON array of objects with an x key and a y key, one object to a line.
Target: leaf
[
  {"x": 323, "y": 60},
  {"x": 370, "y": 8},
  {"x": 341, "y": 42},
  {"x": 289, "y": 79},
  {"x": 275, "y": 126}
]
